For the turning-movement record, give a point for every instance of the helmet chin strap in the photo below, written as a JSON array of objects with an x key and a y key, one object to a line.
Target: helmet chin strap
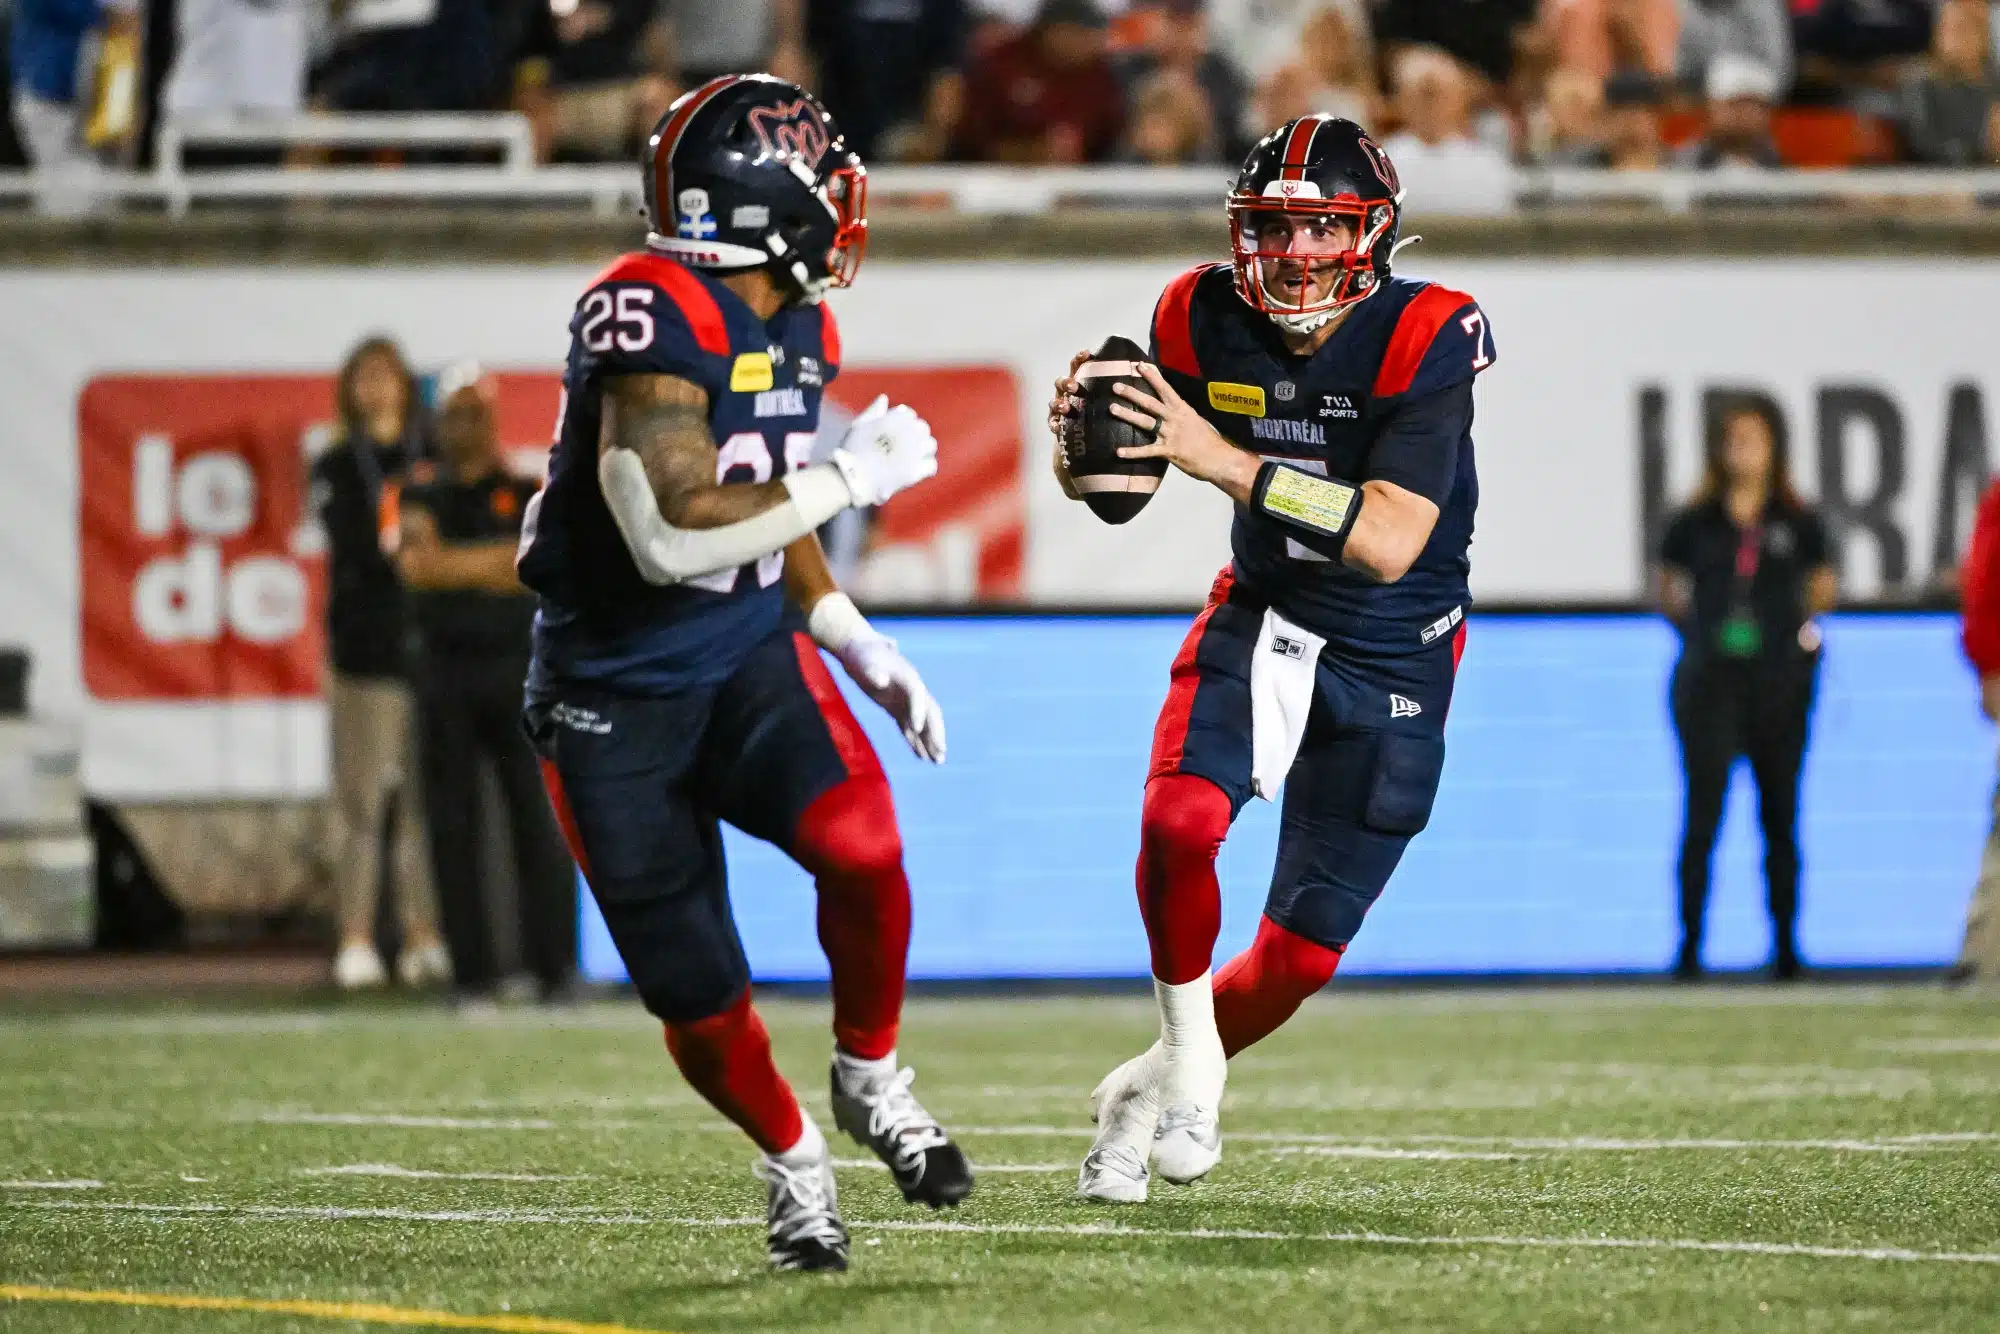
[{"x": 1307, "y": 323}]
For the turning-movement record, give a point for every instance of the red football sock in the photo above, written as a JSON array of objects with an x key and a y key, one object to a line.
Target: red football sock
[
  {"x": 727, "y": 1058},
  {"x": 1259, "y": 989},
  {"x": 1181, "y": 829},
  {"x": 847, "y": 839}
]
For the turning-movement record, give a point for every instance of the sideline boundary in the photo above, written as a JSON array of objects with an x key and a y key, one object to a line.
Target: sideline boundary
[{"x": 367, "y": 1312}]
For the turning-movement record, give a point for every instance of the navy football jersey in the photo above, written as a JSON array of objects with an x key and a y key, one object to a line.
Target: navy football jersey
[
  {"x": 1387, "y": 397},
  {"x": 599, "y": 621}
]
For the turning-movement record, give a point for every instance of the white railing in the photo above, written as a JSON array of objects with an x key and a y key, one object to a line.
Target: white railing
[{"x": 984, "y": 190}]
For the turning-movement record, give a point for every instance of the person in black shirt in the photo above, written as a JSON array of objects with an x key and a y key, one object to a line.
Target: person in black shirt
[
  {"x": 380, "y": 429},
  {"x": 1746, "y": 570},
  {"x": 459, "y": 523}
]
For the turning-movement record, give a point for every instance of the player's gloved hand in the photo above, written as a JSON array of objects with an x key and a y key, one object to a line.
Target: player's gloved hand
[
  {"x": 882, "y": 672},
  {"x": 885, "y": 450}
]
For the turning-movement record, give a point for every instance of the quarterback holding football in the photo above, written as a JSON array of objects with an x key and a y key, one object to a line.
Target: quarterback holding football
[{"x": 1332, "y": 402}]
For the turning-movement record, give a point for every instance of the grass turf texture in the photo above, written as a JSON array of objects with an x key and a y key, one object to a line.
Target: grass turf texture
[{"x": 1429, "y": 1116}]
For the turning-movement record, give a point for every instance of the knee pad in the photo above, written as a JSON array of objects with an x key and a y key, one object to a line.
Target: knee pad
[
  {"x": 1184, "y": 819},
  {"x": 849, "y": 831}
]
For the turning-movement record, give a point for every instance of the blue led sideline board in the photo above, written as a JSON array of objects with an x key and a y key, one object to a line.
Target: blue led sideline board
[{"x": 1551, "y": 850}]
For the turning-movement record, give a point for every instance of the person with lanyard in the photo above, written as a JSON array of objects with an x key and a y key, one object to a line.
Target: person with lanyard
[
  {"x": 1747, "y": 568},
  {"x": 458, "y": 523},
  {"x": 380, "y": 429}
]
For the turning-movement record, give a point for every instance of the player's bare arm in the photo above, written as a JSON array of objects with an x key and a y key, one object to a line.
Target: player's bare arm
[
  {"x": 663, "y": 420},
  {"x": 1387, "y": 534},
  {"x": 656, "y": 466},
  {"x": 426, "y": 560}
]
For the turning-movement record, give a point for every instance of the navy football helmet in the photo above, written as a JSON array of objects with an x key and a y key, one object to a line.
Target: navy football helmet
[
  {"x": 1291, "y": 262},
  {"x": 749, "y": 171}
]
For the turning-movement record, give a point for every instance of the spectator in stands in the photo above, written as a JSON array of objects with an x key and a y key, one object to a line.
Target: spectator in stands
[
  {"x": 1569, "y": 127},
  {"x": 1979, "y": 591},
  {"x": 407, "y": 55},
  {"x": 892, "y": 74},
  {"x": 1855, "y": 50},
  {"x": 1754, "y": 30},
  {"x": 1180, "y": 79},
  {"x": 1598, "y": 37},
  {"x": 1951, "y": 111},
  {"x": 1487, "y": 35},
  {"x": 1746, "y": 570},
  {"x": 55, "y": 92},
  {"x": 1048, "y": 96},
  {"x": 1330, "y": 68},
  {"x": 1170, "y": 123},
  {"x": 712, "y": 37},
  {"x": 596, "y": 77},
  {"x": 379, "y": 432},
  {"x": 1633, "y": 101},
  {"x": 237, "y": 57},
  {"x": 459, "y": 524},
  {"x": 1741, "y": 93},
  {"x": 1445, "y": 167}
]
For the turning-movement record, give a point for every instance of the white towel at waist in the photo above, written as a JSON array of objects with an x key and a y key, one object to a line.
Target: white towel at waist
[{"x": 1283, "y": 669}]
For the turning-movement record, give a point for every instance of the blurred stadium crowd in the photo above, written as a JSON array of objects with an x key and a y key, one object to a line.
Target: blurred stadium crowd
[{"x": 1455, "y": 87}]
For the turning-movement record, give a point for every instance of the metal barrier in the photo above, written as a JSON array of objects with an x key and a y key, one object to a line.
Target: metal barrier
[{"x": 970, "y": 190}]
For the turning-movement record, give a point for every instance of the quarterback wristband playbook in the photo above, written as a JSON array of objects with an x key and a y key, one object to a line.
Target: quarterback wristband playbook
[
  {"x": 1322, "y": 508},
  {"x": 665, "y": 554}
]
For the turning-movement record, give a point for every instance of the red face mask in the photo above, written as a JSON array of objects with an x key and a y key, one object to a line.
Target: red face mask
[{"x": 1301, "y": 256}]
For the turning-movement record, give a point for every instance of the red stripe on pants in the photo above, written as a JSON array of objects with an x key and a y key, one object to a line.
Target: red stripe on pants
[
  {"x": 856, "y": 752},
  {"x": 565, "y": 817},
  {"x": 1170, "y": 732}
]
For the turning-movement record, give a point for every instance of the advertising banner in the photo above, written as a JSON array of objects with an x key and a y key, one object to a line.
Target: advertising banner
[{"x": 161, "y": 569}]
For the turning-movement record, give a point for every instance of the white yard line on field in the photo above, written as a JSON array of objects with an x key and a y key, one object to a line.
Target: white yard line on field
[
  {"x": 420, "y": 1174},
  {"x": 1384, "y": 1151},
  {"x": 400, "y": 1121},
  {"x": 1298, "y": 1142},
  {"x": 1935, "y": 1046},
  {"x": 872, "y": 1165},
  {"x": 52, "y": 1185},
  {"x": 577, "y": 1217}
]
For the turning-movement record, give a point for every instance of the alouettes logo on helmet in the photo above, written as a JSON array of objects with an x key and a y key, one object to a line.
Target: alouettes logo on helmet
[
  {"x": 795, "y": 129},
  {"x": 1384, "y": 168},
  {"x": 749, "y": 171}
]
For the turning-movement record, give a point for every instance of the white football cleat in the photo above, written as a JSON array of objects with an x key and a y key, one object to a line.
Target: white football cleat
[
  {"x": 1124, "y": 1105},
  {"x": 358, "y": 968},
  {"x": 1187, "y": 1143}
]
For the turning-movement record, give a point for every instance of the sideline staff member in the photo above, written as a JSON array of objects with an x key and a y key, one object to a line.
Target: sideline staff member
[
  {"x": 380, "y": 431},
  {"x": 1746, "y": 570},
  {"x": 459, "y": 525}
]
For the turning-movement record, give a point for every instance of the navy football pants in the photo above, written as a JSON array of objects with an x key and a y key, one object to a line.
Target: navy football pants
[
  {"x": 1363, "y": 783},
  {"x": 640, "y": 785}
]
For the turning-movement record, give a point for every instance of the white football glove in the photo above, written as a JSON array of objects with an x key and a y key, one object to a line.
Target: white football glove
[
  {"x": 885, "y": 450},
  {"x": 883, "y": 673}
]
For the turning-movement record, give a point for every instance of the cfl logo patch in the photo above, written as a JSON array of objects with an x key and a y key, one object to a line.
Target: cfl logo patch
[
  {"x": 1288, "y": 648},
  {"x": 1402, "y": 706}
]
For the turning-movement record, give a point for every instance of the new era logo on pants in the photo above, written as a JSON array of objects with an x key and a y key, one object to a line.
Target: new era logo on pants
[{"x": 1402, "y": 706}]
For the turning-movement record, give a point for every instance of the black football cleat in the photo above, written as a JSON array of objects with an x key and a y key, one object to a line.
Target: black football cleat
[
  {"x": 803, "y": 1218},
  {"x": 885, "y": 1118}
]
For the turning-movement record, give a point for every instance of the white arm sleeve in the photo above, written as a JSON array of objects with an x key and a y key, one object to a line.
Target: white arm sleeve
[{"x": 669, "y": 555}]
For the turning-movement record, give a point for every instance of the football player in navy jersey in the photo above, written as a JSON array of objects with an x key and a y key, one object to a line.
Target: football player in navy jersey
[
  {"x": 1333, "y": 403},
  {"x": 677, "y": 678}
]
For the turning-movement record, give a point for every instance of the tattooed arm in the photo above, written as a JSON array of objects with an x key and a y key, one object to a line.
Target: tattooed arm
[{"x": 656, "y": 464}]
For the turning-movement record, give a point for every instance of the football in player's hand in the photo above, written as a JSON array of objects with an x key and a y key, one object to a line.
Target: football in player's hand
[{"x": 1114, "y": 488}]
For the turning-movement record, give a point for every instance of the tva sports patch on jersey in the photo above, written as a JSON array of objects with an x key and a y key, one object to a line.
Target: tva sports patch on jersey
[{"x": 1243, "y": 399}]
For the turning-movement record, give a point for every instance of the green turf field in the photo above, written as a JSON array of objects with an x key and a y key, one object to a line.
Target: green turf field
[{"x": 1818, "y": 1158}]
